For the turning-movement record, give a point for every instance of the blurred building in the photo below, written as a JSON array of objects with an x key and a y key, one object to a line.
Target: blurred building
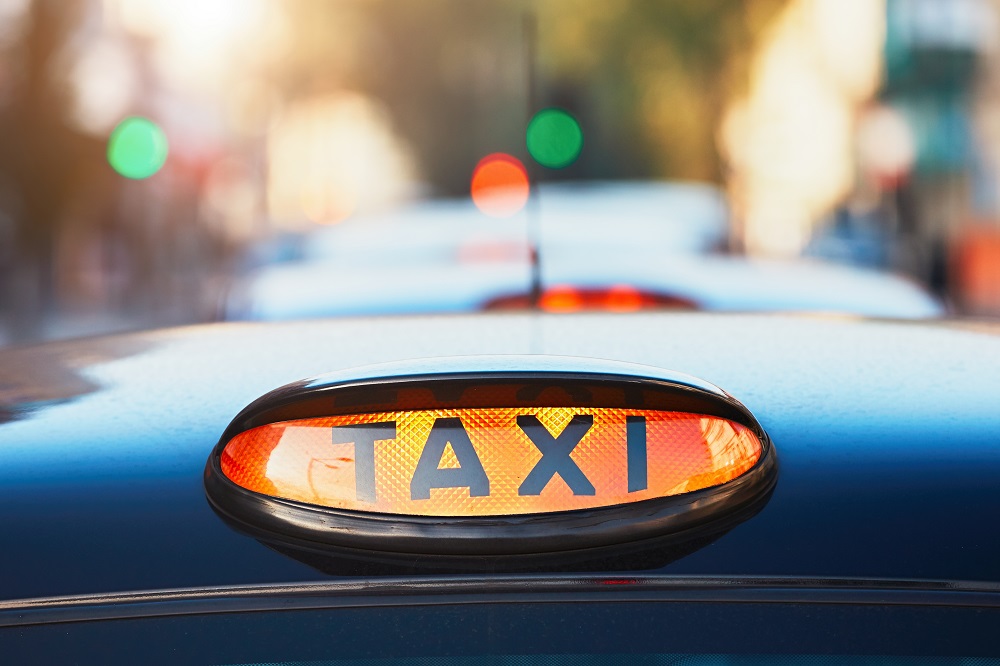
[
  {"x": 974, "y": 254},
  {"x": 870, "y": 134},
  {"x": 936, "y": 58},
  {"x": 87, "y": 249},
  {"x": 789, "y": 141}
]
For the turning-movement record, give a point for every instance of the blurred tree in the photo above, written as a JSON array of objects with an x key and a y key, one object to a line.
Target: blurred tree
[
  {"x": 43, "y": 161},
  {"x": 647, "y": 78},
  {"x": 654, "y": 75},
  {"x": 449, "y": 73}
]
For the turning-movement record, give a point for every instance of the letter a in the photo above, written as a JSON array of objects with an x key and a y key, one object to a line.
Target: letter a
[{"x": 469, "y": 474}]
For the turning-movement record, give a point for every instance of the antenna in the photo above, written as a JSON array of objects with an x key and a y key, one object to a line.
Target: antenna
[{"x": 531, "y": 206}]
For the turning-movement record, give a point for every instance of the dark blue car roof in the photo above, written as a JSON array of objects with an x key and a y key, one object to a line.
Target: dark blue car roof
[{"x": 888, "y": 436}]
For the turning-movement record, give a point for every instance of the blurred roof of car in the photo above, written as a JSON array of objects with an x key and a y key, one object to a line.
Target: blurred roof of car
[
  {"x": 654, "y": 237},
  {"x": 713, "y": 283},
  {"x": 731, "y": 283}
]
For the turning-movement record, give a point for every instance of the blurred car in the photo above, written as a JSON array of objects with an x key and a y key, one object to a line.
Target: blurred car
[
  {"x": 616, "y": 279},
  {"x": 617, "y": 246}
]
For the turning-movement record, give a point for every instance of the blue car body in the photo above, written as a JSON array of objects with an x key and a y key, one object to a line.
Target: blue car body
[{"x": 887, "y": 494}]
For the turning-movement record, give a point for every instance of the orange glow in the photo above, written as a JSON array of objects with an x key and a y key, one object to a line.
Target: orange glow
[
  {"x": 489, "y": 462},
  {"x": 617, "y": 298},
  {"x": 561, "y": 299},
  {"x": 623, "y": 298},
  {"x": 500, "y": 185}
]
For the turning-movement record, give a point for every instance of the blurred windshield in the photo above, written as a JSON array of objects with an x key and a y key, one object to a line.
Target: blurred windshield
[{"x": 177, "y": 161}]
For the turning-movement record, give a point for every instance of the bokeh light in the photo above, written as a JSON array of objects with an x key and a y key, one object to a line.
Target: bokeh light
[
  {"x": 333, "y": 156},
  {"x": 554, "y": 138},
  {"x": 137, "y": 148},
  {"x": 500, "y": 185}
]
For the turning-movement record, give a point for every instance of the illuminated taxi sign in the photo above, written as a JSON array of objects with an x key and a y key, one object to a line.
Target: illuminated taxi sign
[
  {"x": 490, "y": 456},
  {"x": 489, "y": 462}
]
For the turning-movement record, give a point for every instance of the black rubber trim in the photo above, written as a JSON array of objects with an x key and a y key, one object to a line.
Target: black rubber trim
[
  {"x": 639, "y": 556},
  {"x": 507, "y": 535},
  {"x": 309, "y": 525},
  {"x": 445, "y": 590}
]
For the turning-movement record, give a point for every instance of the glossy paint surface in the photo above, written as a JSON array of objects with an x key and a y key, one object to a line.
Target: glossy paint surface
[{"x": 888, "y": 437}]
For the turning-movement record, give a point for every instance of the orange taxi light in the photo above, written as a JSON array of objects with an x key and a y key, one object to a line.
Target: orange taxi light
[
  {"x": 491, "y": 461},
  {"x": 616, "y": 298},
  {"x": 623, "y": 298},
  {"x": 561, "y": 299}
]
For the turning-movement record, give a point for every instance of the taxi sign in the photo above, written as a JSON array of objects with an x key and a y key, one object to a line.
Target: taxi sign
[
  {"x": 489, "y": 462},
  {"x": 502, "y": 461}
]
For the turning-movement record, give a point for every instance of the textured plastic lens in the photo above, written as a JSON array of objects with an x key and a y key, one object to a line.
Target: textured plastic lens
[{"x": 489, "y": 462}]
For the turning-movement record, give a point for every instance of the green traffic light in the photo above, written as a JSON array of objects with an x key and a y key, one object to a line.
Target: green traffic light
[
  {"x": 137, "y": 148},
  {"x": 554, "y": 138}
]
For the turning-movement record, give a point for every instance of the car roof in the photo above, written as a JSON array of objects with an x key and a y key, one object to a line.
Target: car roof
[
  {"x": 710, "y": 282},
  {"x": 884, "y": 430}
]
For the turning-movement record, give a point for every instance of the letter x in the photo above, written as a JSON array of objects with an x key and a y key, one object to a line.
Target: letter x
[{"x": 555, "y": 455}]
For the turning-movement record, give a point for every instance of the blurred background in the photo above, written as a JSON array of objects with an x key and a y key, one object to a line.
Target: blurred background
[{"x": 166, "y": 162}]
